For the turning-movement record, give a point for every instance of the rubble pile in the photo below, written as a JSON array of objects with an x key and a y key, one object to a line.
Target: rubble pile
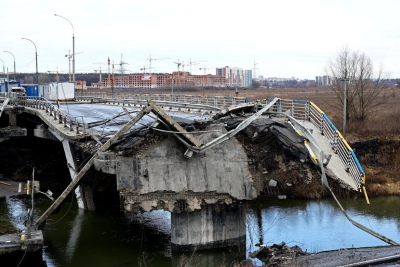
[{"x": 277, "y": 254}]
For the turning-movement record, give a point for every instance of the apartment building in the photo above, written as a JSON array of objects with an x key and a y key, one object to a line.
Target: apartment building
[
  {"x": 236, "y": 77},
  {"x": 225, "y": 77}
]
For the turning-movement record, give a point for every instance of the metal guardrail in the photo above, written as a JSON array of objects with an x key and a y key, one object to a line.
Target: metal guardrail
[
  {"x": 308, "y": 111},
  {"x": 77, "y": 124},
  {"x": 215, "y": 101},
  {"x": 73, "y": 123}
]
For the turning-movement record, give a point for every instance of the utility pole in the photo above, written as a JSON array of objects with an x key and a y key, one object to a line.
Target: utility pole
[{"x": 344, "y": 102}]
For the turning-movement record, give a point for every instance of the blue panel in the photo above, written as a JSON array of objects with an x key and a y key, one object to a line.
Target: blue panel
[{"x": 32, "y": 90}]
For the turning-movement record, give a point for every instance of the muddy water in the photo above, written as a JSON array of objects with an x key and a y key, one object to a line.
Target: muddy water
[{"x": 110, "y": 238}]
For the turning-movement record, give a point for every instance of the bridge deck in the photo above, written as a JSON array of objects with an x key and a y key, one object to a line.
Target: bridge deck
[
  {"x": 84, "y": 114},
  {"x": 335, "y": 166}
]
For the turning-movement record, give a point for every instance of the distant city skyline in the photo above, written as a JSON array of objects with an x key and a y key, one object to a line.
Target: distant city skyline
[{"x": 284, "y": 38}]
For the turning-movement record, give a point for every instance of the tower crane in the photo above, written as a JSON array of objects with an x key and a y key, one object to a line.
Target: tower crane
[
  {"x": 56, "y": 72},
  {"x": 183, "y": 65},
  {"x": 69, "y": 56},
  {"x": 178, "y": 64},
  {"x": 100, "y": 78},
  {"x": 144, "y": 69},
  {"x": 191, "y": 63},
  {"x": 205, "y": 69},
  {"x": 151, "y": 59},
  {"x": 108, "y": 63}
]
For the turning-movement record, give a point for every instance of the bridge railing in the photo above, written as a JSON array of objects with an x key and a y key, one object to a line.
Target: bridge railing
[
  {"x": 308, "y": 111},
  {"x": 215, "y": 101},
  {"x": 73, "y": 123}
]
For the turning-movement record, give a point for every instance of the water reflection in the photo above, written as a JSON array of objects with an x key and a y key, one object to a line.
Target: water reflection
[
  {"x": 320, "y": 225},
  {"x": 75, "y": 237}
]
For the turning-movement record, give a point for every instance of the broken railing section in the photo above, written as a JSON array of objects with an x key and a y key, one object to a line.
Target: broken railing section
[{"x": 308, "y": 111}]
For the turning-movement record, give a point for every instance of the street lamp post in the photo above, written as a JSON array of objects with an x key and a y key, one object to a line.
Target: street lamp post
[
  {"x": 4, "y": 72},
  {"x": 73, "y": 47},
  {"x": 37, "y": 73},
  {"x": 14, "y": 63}
]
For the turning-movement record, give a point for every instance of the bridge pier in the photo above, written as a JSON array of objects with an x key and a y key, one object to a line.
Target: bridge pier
[
  {"x": 84, "y": 195},
  {"x": 213, "y": 226}
]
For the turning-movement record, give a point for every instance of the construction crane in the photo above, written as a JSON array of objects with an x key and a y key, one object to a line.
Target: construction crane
[
  {"x": 191, "y": 63},
  {"x": 100, "y": 78},
  {"x": 205, "y": 69},
  {"x": 178, "y": 64},
  {"x": 69, "y": 56},
  {"x": 151, "y": 59},
  {"x": 183, "y": 65},
  {"x": 144, "y": 69},
  {"x": 108, "y": 64},
  {"x": 56, "y": 72}
]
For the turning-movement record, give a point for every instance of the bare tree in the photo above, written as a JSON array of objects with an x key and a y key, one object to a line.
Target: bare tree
[{"x": 353, "y": 70}]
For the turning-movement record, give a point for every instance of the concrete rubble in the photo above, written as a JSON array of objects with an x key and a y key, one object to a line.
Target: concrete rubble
[{"x": 277, "y": 254}]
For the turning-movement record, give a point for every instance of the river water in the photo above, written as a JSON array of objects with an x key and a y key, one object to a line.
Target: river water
[{"x": 108, "y": 237}]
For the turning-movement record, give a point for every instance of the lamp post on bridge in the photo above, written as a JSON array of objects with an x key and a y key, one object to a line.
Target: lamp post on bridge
[
  {"x": 37, "y": 73},
  {"x": 14, "y": 63},
  {"x": 73, "y": 47},
  {"x": 4, "y": 73}
]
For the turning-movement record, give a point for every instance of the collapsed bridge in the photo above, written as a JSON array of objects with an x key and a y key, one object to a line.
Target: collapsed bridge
[{"x": 184, "y": 156}]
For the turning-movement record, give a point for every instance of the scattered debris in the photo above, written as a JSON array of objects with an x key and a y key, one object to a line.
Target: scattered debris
[{"x": 277, "y": 254}]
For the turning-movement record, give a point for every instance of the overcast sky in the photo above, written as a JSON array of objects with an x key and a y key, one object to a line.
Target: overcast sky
[{"x": 286, "y": 38}]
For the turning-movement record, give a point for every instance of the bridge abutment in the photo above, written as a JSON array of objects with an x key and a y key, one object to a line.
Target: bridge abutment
[{"x": 213, "y": 226}]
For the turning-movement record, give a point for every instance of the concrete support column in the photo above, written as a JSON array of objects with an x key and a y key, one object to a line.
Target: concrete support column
[
  {"x": 214, "y": 226},
  {"x": 83, "y": 202}
]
